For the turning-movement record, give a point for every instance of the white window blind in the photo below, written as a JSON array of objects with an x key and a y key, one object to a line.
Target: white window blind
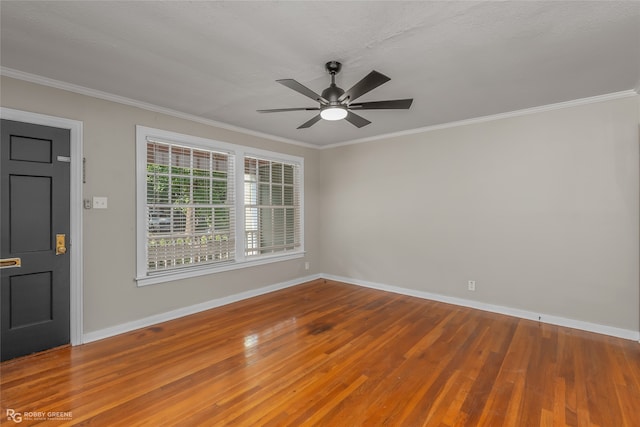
[
  {"x": 189, "y": 206},
  {"x": 272, "y": 206}
]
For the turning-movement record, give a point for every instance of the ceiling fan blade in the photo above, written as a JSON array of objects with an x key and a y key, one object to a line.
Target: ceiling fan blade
[
  {"x": 395, "y": 104},
  {"x": 368, "y": 83},
  {"x": 310, "y": 123},
  {"x": 300, "y": 88},
  {"x": 356, "y": 120},
  {"x": 280, "y": 110}
]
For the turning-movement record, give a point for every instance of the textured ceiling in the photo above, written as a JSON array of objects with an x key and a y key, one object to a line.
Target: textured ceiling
[{"x": 220, "y": 60}]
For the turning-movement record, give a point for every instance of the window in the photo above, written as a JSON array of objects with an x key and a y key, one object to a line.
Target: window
[
  {"x": 189, "y": 206},
  {"x": 270, "y": 202},
  {"x": 205, "y": 206}
]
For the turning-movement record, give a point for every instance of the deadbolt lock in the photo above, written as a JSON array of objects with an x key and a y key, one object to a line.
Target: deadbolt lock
[{"x": 61, "y": 244}]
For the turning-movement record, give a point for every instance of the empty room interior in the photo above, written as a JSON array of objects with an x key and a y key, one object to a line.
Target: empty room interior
[{"x": 320, "y": 213}]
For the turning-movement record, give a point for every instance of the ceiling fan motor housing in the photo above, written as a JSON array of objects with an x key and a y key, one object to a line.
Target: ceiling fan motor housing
[{"x": 333, "y": 92}]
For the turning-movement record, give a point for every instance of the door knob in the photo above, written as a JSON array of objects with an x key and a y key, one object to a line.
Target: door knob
[{"x": 61, "y": 245}]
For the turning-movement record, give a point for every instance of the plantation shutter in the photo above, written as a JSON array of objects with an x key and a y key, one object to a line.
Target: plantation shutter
[{"x": 189, "y": 206}]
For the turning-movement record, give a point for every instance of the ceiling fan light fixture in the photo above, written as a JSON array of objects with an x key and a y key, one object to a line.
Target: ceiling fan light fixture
[
  {"x": 333, "y": 113},
  {"x": 337, "y": 104}
]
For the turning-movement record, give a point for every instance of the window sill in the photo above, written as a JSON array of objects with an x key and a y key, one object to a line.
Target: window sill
[{"x": 204, "y": 270}]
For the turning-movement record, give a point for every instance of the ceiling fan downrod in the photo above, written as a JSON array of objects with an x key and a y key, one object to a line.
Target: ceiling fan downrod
[{"x": 333, "y": 92}]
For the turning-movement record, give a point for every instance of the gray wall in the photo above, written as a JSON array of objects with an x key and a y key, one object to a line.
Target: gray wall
[
  {"x": 540, "y": 210},
  {"x": 111, "y": 296}
]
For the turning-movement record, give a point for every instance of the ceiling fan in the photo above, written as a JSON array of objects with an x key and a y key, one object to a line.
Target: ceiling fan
[{"x": 336, "y": 104}]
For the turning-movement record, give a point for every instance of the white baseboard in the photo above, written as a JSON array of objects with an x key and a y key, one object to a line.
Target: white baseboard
[
  {"x": 192, "y": 309},
  {"x": 523, "y": 314}
]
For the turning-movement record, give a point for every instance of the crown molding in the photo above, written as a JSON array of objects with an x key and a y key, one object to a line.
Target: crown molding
[
  {"x": 57, "y": 84},
  {"x": 493, "y": 117},
  {"x": 45, "y": 81}
]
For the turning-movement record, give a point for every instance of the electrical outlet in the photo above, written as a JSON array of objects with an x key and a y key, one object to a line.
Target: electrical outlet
[
  {"x": 472, "y": 285},
  {"x": 306, "y": 265}
]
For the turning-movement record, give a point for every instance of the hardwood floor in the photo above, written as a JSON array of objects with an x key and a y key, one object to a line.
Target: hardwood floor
[{"x": 331, "y": 354}]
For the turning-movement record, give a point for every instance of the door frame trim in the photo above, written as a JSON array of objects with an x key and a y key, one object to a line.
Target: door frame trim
[{"x": 75, "y": 191}]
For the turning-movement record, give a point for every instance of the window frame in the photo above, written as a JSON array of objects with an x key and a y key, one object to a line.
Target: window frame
[{"x": 143, "y": 276}]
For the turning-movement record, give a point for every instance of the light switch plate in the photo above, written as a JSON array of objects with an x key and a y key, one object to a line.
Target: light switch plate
[{"x": 99, "y": 203}]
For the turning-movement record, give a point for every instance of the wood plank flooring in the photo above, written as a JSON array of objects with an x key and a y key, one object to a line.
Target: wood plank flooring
[{"x": 331, "y": 354}]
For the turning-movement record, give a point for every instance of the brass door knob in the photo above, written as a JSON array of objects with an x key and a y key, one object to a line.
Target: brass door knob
[{"x": 61, "y": 244}]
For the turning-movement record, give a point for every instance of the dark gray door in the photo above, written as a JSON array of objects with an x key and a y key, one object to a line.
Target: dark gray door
[{"x": 34, "y": 235}]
